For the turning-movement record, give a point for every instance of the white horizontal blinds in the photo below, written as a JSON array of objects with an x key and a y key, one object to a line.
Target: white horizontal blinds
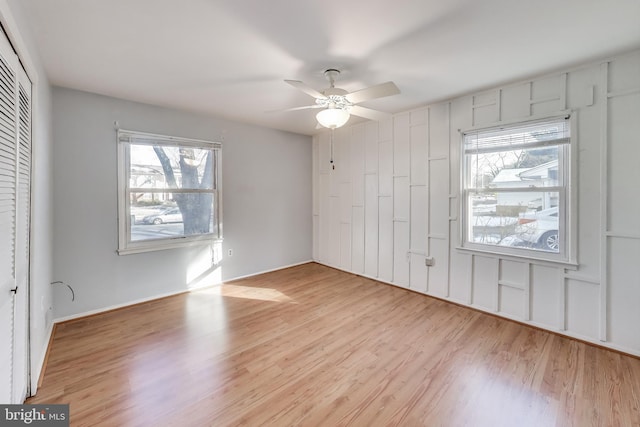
[
  {"x": 8, "y": 153},
  {"x": 522, "y": 136},
  {"x": 141, "y": 138}
]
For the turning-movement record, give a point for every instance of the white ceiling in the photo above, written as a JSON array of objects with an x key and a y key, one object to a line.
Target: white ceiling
[{"x": 229, "y": 58}]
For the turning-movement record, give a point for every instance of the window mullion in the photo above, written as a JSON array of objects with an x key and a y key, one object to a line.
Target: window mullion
[
  {"x": 170, "y": 190},
  {"x": 516, "y": 190}
]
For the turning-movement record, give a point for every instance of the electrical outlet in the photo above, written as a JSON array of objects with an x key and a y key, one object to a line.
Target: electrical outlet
[{"x": 230, "y": 252}]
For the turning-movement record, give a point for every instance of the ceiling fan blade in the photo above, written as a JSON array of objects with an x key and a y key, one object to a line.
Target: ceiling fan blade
[
  {"x": 306, "y": 107},
  {"x": 368, "y": 113},
  {"x": 377, "y": 91},
  {"x": 306, "y": 89}
]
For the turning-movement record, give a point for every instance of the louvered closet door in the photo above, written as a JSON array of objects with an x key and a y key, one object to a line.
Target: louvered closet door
[
  {"x": 15, "y": 171},
  {"x": 23, "y": 214}
]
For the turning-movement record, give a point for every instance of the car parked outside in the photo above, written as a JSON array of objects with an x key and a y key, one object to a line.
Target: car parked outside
[
  {"x": 539, "y": 229},
  {"x": 166, "y": 216}
]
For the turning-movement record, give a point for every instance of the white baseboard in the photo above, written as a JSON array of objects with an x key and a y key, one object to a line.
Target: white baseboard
[
  {"x": 168, "y": 294},
  {"x": 269, "y": 271},
  {"x": 117, "y": 306},
  {"x": 37, "y": 369}
]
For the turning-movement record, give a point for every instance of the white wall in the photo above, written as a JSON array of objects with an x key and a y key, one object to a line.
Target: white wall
[
  {"x": 16, "y": 26},
  {"x": 394, "y": 199},
  {"x": 266, "y": 203}
]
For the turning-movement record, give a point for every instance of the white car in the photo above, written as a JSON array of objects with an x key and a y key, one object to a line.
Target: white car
[
  {"x": 539, "y": 229},
  {"x": 166, "y": 216}
]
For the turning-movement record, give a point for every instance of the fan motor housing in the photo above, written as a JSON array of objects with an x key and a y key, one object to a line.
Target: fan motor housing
[{"x": 334, "y": 91}]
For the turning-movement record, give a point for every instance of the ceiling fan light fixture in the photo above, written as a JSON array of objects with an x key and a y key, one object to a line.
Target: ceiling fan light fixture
[
  {"x": 338, "y": 105},
  {"x": 333, "y": 118}
]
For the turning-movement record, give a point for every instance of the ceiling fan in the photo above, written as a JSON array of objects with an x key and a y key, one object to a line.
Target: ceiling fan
[{"x": 338, "y": 104}]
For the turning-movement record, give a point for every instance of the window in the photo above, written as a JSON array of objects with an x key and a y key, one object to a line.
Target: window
[
  {"x": 169, "y": 192},
  {"x": 516, "y": 189}
]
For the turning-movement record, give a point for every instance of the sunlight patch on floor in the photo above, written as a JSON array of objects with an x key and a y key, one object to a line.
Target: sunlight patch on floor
[
  {"x": 491, "y": 400},
  {"x": 247, "y": 292}
]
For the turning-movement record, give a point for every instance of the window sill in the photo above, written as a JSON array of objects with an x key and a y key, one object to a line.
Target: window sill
[
  {"x": 163, "y": 245},
  {"x": 570, "y": 265}
]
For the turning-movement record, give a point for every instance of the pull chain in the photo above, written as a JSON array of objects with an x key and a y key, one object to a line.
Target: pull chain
[{"x": 333, "y": 166}]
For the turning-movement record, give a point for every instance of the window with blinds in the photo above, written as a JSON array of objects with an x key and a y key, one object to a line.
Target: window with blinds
[
  {"x": 515, "y": 188},
  {"x": 169, "y": 191}
]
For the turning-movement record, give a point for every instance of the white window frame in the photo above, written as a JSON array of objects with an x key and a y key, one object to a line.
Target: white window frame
[
  {"x": 125, "y": 138},
  {"x": 567, "y": 193}
]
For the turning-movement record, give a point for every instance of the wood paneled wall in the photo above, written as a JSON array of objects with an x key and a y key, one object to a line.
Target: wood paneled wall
[{"x": 393, "y": 200}]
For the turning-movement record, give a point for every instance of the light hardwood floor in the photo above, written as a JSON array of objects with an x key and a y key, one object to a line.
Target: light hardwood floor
[{"x": 313, "y": 346}]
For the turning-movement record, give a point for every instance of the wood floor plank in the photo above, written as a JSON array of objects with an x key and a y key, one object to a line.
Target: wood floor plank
[{"x": 314, "y": 346}]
